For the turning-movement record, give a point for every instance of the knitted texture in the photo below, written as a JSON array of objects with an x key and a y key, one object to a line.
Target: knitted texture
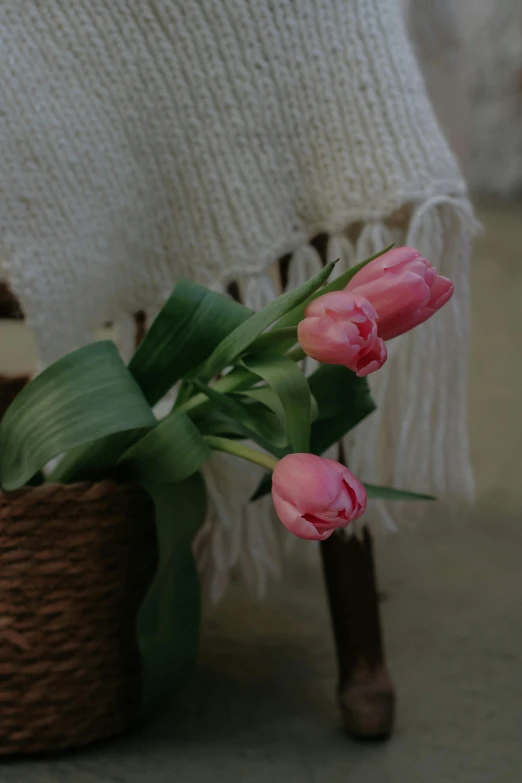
[{"x": 144, "y": 140}]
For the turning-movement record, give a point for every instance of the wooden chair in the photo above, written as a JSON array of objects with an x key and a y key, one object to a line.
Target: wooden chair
[{"x": 10, "y": 385}]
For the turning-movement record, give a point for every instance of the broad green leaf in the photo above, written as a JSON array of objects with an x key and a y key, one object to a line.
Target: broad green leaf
[
  {"x": 343, "y": 400},
  {"x": 261, "y": 420},
  {"x": 288, "y": 382},
  {"x": 251, "y": 427},
  {"x": 169, "y": 618},
  {"x": 274, "y": 341},
  {"x": 256, "y": 416},
  {"x": 238, "y": 341},
  {"x": 297, "y": 314},
  {"x": 86, "y": 395},
  {"x": 97, "y": 460},
  {"x": 172, "y": 451},
  {"x": 267, "y": 396},
  {"x": 264, "y": 421},
  {"x": 188, "y": 328},
  {"x": 389, "y": 493},
  {"x": 218, "y": 423}
]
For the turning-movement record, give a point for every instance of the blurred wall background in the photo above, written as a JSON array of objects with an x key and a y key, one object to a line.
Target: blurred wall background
[
  {"x": 471, "y": 56},
  {"x": 492, "y": 35}
]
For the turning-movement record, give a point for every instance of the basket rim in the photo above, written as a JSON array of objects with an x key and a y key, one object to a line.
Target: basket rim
[{"x": 77, "y": 487}]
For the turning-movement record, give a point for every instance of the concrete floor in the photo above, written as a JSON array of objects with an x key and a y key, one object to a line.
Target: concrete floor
[{"x": 260, "y": 706}]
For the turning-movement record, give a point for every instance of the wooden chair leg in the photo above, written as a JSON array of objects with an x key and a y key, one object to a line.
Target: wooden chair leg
[
  {"x": 9, "y": 305},
  {"x": 10, "y": 386},
  {"x": 366, "y": 693}
]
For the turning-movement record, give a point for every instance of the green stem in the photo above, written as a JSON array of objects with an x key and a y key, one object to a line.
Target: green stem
[{"x": 240, "y": 450}]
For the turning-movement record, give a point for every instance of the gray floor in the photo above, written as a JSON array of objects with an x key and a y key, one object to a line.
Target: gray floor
[{"x": 260, "y": 705}]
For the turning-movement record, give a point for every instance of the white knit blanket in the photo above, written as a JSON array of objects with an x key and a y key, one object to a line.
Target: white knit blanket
[{"x": 143, "y": 140}]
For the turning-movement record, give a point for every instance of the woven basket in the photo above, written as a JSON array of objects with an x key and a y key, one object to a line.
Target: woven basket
[{"x": 75, "y": 562}]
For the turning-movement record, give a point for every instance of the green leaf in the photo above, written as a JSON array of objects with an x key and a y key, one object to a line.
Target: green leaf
[
  {"x": 266, "y": 396},
  {"x": 286, "y": 379},
  {"x": 263, "y": 488},
  {"x": 297, "y": 314},
  {"x": 343, "y": 400},
  {"x": 96, "y": 461},
  {"x": 234, "y": 381},
  {"x": 274, "y": 341},
  {"x": 264, "y": 421},
  {"x": 99, "y": 459},
  {"x": 174, "y": 450},
  {"x": 256, "y": 416},
  {"x": 252, "y": 427},
  {"x": 188, "y": 328},
  {"x": 389, "y": 493},
  {"x": 86, "y": 395},
  {"x": 169, "y": 618},
  {"x": 238, "y": 341},
  {"x": 218, "y": 423}
]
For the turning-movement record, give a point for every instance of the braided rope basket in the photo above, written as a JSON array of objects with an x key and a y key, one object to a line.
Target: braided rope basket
[{"x": 75, "y": 563}]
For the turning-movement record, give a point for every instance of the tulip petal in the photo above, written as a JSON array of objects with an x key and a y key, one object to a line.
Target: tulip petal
[
  {"x": 393, "y": 259},
  {"x": 306, "y": 482},
  {"x": 373, "y": 360},
  {"x": 394, "y": 294},
  {"x": 325, "y": 340},
  {"x": 297, "y": 524},
  {"x": 440, "y": 292}
]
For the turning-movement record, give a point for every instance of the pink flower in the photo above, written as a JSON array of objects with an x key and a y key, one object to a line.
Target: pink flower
[
  {"x": 313, "y": 496},
  {"x": 404, "y": 289},
  {"x": 340, "y": 328}
]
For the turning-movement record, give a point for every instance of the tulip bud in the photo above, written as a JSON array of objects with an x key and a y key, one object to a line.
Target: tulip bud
[
  {"x": 340, "y": 328},
  {"x": 313, "y": 496},
  {"x": 404, "y": 289}
]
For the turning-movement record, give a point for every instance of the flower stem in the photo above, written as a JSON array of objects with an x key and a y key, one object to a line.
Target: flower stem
[{"x": 240, "y": 450}]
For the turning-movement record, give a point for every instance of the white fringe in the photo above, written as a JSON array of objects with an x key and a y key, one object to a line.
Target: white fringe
[{"x": 416, "y": 440}]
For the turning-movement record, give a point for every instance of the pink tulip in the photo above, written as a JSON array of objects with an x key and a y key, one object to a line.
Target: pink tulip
[
  {"x": 404, "y": 289},
  {"x": 313, "y": 496},
  {"x": 340, "y": 328}
]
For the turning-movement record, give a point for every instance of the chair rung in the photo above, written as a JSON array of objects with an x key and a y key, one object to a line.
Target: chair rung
[{"x": 9, "y": 305}]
